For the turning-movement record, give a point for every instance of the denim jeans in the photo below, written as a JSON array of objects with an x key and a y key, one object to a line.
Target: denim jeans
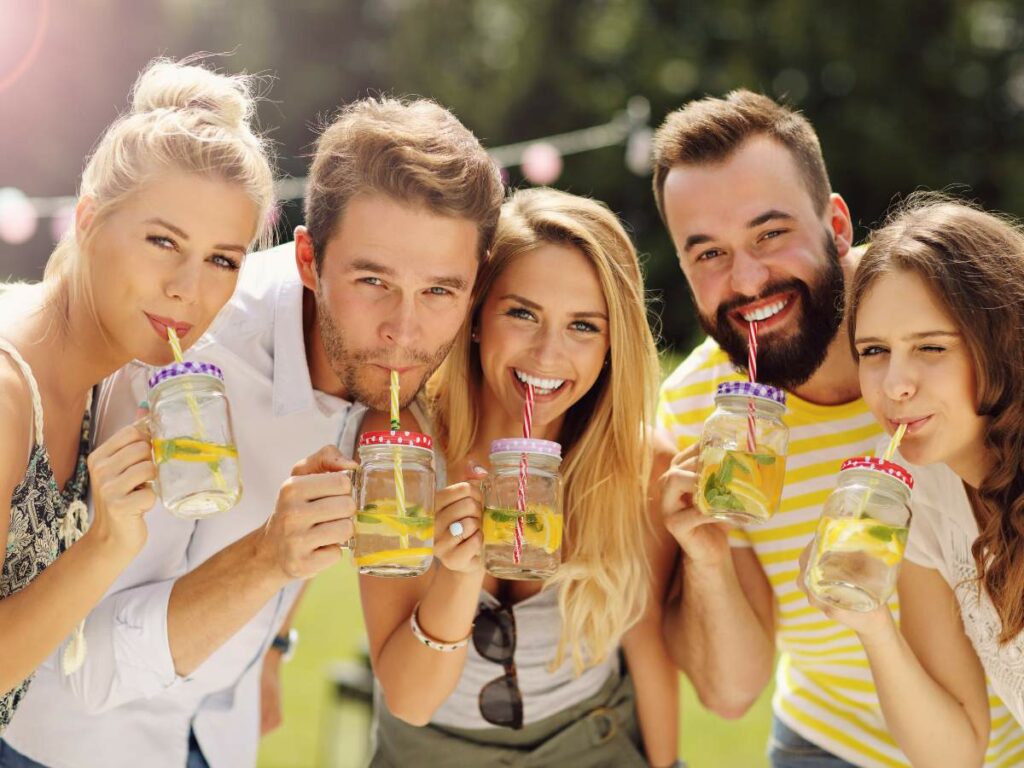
[
  {"x": 195, "y": 754},
  {"x": 9, "y": 758},
  {"x": 788, "y": 749}
]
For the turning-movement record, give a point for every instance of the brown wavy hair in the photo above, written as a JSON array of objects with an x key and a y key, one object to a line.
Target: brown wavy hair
[{"x": 974, "y": 262}]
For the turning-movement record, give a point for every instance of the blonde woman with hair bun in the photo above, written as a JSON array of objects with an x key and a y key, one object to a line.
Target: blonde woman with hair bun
[
  {"x": 171, "y": 200},
  {"x": 561, "y": 299}
]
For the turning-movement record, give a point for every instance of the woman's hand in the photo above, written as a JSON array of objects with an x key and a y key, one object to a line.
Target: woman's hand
[
  {"x": 703, "y": 539},
  {"x": 872, "y": 626},
  {"x": 458, "y": 538},
  {"x": 121, "y": 472}
]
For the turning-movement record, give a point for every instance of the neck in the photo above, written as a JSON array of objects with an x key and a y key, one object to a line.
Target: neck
[
  {"x": 837, "y": 380},
  {"x": 68, "y": 359},
  {"x": 321, "y": 374},
  {"x": 972, "y": 465}
]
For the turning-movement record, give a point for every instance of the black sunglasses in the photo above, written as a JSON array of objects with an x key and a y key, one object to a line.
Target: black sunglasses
[{"x": 494, "y": 637}]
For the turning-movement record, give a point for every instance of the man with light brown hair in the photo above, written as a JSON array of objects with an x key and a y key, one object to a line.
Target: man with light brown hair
[
  {"x": 401, "y": 208},
  {"x": 741, "y": 184}
]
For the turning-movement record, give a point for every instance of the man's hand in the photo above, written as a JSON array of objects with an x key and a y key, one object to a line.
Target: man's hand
[
  {"x": 270, "y": 693},
  {"x": 312, "y": 519},
  {"x": 702, "y": 538}
]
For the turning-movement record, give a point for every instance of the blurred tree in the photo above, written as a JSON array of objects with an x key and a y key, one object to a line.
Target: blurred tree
[{"x": 922, "y": 93}]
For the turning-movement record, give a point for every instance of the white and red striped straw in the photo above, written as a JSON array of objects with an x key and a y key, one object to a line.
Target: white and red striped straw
[
  {"x": 752, "y": 371},
  {"x": 517, "y": 541}
]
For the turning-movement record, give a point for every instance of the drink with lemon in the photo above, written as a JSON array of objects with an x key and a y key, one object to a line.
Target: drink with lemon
[
  {"x": 742, "y": 465},
  {"x": 861, "y": 536},
  {"x": 394, "y": 525},
  {"x": 539, "y": 519},
  {"x": 193, "y": 443}
]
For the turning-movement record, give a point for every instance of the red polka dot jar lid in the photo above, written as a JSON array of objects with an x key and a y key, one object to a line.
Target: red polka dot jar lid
[
  {"x": 410, "y": 439},
  {"x": 874, "y": 464}
]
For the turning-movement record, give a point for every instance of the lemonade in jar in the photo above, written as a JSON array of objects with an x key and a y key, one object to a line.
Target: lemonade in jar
[
  {"x": 861, "y": 536},
  {"x": 742, "y": 454},
  {"x": 394, "y": 490}
]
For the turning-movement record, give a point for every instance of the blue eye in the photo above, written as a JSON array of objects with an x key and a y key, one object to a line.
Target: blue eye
[
  {"x": 710, "y": 253},
  {"x": 585, "y": 327},
  {"x": 871, "y": 351},
  {"x": 519, "y": 312},
  {"x": 438, "y": 291},
  {"x": 160, "y": 241},
  {"x": 932, "y": 348},
  {"x": 371, "y": 281},
  {"x": 225, "y": 262}
]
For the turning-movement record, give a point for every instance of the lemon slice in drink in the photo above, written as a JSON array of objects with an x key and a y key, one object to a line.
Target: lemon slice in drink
[
  {"x": 549, "y": 535},
  {"x": 411, "y": 556},
  {"x": 753, "y": 498},
  {"x": 863, "y": 535}
]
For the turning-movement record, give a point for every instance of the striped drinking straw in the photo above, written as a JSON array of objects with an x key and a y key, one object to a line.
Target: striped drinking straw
[
  {"x": 517, "y": 540},
  {"x": 752, "y": 372}
]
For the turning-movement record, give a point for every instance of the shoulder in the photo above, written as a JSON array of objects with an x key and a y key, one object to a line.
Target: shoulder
[
  {"x": 706, "y": 364},
  {"x": 16, "y": 420}
]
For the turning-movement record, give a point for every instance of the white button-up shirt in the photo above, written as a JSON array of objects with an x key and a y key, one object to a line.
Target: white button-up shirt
[{"x": 127, "y": 707}]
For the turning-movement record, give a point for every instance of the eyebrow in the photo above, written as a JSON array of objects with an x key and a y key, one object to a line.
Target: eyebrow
[
  {"x": 534, "y": 305},
  {"x": 181, "y": 233},
  {"x": 909, "y": 337},
  {"x": 757, "y": 221},
  {"x": 454, "y": 282}
]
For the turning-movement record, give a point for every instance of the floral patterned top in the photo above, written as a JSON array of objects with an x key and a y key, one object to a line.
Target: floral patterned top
[{"x": 45, "y": 520}]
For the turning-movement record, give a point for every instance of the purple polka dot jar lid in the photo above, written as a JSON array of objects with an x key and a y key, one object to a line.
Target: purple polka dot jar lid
[
  {"x": 187, "y": 368},
  {"x": 751, "y": 389},
  {"x": 527, "y": 445}
]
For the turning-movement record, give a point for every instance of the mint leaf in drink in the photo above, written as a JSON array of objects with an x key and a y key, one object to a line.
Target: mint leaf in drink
[
  {"x": 881, "y": 532},
  {"x": 900, "y": 534},
  {"x": 764, "y": 459},
  {"x": 368, "y": 519}
]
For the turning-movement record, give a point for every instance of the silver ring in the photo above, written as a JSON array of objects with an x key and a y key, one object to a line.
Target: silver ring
[{"x": 456, "y": 529}]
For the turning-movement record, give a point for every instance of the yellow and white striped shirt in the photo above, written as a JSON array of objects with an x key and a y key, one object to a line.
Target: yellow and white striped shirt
[{"x": 823, "y": 686}]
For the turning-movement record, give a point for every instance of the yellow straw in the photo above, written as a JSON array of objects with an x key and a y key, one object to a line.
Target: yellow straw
[
  {"x": 397, "y": 454},
  {"x": 894, "y": 443},
  {"x": 193, "y": 406}
]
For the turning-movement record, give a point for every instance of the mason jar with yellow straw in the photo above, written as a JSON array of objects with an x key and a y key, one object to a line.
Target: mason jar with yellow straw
[
  {"x": 193, "y": 442},
  {"x": 862, "y": 534}
]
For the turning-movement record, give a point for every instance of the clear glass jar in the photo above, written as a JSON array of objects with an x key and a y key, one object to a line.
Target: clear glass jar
[
  {"x": 193, "y": 443},
  {"x": 740, "y": 480},
  {"x": 535, "y": 551},
  {"x": 861, "y": 536},
  {"x": 394, "y": 493}
]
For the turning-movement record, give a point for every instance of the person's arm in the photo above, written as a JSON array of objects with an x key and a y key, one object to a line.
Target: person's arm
[
  {"x": 930, "y": 682},
  {"x": 271, "y": 715},
  {"x": 37, "y": 619},
  {"x": 720, "y": 627},
  {"x": 655, "y": 678},
  {"x": 312, "y": 519},
  {"x": 415, "y": 679}
]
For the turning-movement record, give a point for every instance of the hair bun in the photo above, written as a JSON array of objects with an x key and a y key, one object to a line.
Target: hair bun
[{"x": 166, "y": 84}]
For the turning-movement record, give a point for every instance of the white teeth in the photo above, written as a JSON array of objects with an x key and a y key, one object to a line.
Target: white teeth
[
  {"x": 763, "y": 313},
  {"x": 541, "y": 386}
]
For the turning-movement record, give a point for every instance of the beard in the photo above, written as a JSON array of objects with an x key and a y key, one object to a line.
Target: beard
[
  {"x": 788, "y": 362},
  {"x": 358, "y": 369}
]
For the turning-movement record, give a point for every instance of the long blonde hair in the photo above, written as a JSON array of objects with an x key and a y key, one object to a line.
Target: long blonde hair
[
  {"x": 604, "y": 576},
  {"x": 185, "y": 117}
]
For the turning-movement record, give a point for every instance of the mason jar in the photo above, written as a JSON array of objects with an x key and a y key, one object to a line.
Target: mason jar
[
  {"x": 861, "y": 536},
  {"x": 522, "y": 519},
  {"x": 394, "y": 494},
  {"x": 742, "y": 454},
  {"x": 193, "y": 443}
]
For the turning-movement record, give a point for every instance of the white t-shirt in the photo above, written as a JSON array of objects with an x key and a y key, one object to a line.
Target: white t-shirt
[{"x": 942, "y": 531}]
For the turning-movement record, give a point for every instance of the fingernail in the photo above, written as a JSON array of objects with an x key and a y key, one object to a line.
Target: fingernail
[
  {"x": 480, "y": 470},
  {"x": 144, "y": 405}
]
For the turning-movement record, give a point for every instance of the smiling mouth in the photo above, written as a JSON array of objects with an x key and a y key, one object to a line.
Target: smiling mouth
[
  {"x": 766, "y": 310},
  {"x": 541, "y": 386}
]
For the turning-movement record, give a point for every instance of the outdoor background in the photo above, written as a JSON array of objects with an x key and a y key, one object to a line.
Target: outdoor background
[{"x": 904, "y": 95}]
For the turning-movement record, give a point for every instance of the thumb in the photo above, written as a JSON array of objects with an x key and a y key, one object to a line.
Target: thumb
[
  {"x": 327, "y": 459},
  {"x": 142, "y": 418}
]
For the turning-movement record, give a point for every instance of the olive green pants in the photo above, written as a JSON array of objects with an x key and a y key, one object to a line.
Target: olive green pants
[{"x": 600, "y": 732}]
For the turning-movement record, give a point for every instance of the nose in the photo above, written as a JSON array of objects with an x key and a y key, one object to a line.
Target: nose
[
  {"x": 401, "y": 325},
  {"x": 547, "y": 349},
  {"x": 184, "y": 282},
  {"x": 900, "y": 382},
  {"x": 748, "y": 276}
]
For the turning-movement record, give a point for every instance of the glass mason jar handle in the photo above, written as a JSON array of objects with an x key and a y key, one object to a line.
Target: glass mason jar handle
[{"x": 353, "y": 476}]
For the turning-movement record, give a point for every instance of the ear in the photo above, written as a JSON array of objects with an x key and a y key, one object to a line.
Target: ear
[
  {"x": 85, "y": 214},
  {"x": 305, "y": 258},
  {"x": 840, "y": 224}
]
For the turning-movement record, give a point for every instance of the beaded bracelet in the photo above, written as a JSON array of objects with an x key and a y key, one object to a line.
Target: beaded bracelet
[{"x": 427, "y": 640}]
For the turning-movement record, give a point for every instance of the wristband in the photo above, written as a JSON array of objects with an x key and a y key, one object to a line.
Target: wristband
[{"x": 427, "y": 640}]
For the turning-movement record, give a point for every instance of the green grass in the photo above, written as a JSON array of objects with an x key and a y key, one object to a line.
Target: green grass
[{"x": 331, "y": 625}]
